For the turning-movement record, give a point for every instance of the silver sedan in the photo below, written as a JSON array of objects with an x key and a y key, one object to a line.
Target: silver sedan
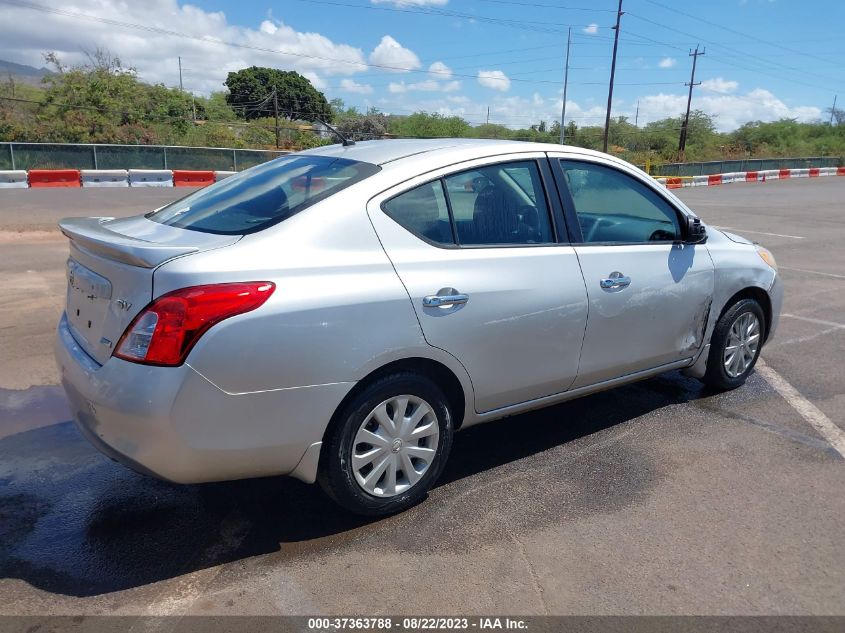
[{"x": 337, "y": 314}]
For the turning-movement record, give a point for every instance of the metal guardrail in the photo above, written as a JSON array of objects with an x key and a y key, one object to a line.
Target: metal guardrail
[
  {"x": 746, "y": 164},
  {"x": 109, "y": 156}
]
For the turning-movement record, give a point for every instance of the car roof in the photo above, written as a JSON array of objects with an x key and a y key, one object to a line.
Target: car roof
[{"x": 385, "y": 151}]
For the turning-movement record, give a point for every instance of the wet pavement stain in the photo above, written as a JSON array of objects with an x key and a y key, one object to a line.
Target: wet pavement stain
[{"x": 86, "y": 526}]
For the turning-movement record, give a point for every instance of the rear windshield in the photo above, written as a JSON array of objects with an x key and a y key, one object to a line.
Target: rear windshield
[{"x": 263, "y": 195}]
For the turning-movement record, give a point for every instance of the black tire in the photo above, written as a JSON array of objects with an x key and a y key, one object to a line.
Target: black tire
[
  {"x": 336, "y": 474},
  {"x": 716, "y": 375}
]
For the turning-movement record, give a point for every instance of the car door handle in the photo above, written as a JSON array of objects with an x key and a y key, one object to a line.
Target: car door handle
[
  {"x": 449, "y": 297},
  {"x": 615, "y": 281}
]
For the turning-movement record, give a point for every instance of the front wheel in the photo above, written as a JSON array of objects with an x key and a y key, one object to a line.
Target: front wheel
[
  {"x": 735, "y": 345},
  {"x": 389, "y": 447}
]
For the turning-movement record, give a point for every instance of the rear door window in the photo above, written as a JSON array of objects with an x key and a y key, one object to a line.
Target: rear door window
[{"x": 263, "y": 195}]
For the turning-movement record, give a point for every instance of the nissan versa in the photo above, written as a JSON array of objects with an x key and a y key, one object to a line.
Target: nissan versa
[{"x": 337, "y": 314}]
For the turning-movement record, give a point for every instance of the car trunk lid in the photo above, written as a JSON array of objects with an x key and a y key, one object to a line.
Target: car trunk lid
[{"x": 110, "y": 273}]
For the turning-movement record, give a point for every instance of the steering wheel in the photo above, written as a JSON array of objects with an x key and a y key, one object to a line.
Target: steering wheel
[{"x": 661, "y": 236}]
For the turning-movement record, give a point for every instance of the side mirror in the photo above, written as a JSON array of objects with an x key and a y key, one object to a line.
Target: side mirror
[{"x": 695, "y": 233}]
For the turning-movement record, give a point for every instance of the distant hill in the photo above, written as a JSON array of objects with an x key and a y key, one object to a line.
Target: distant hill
[{"x": 22, "y": 73}]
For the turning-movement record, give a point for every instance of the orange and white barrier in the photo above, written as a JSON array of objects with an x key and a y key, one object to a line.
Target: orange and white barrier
[
  {"x": 105, "y": 178},
  {"x": 13, "y": 179},
  {"x": 750, "y": 176},
  {"x": 54, "y": 178},
  {"x": 220, "y": 175},
  {"x": 192, "y": 178},
  {"x": 150, "y": 178}
]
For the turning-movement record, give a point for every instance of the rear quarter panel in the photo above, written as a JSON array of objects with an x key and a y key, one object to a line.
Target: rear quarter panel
[{"x": 338, "y": 312}]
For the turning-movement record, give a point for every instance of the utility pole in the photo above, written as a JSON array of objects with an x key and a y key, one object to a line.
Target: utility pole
[
  {"x": 565, "y": 84},
  {"x": 488, "y": 115},
  {"x": 682, "y": 142},
  {"x": 832, "y": 110},
  {"x": 619, "y": 14},
  {"x": 180, "y": 74},
  {"x": 637, "y": 115},
  {"x": 276, "y": 112}
]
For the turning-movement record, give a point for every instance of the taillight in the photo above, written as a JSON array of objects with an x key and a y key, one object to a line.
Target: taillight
[{"x": 166, "y": 330}]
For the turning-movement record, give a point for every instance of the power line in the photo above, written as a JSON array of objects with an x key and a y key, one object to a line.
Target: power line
[
  {"x": 528, "y": 25},
  {"x": 731, "y": 30}
]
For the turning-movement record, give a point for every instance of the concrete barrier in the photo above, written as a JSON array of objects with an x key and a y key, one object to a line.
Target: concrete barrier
[
  {"x": 784, "y": 173},
  {"x": 799, "y": 173},
  {"x": 714, "y": 179},
  {"x": 840, "y": 171},
  {"x": 54, "y": 178},
  {"x": 186, "y": 178},
  {"x": 105, "y": 178},
  {"x": 699, "y": 181},
  {"x": 220, "y": 175},
  {"x": 13, "y": 179},
  {"x": 150, "y": 178},
  {"x": 813, "y": 172}
]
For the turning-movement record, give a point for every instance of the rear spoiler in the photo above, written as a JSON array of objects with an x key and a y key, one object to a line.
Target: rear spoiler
[{"x": 91, "y": 235}]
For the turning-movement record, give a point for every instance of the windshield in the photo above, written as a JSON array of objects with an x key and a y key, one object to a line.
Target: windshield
[{"x": 263, "y": 195}]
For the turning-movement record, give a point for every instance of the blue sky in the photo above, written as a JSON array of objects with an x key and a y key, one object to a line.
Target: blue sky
[{"x": 765, "y": 59}]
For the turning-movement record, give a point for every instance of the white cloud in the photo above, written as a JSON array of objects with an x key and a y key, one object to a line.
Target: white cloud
[
  {"x": 494, "y": 79},
  {"x": 591, "y": 29},
  {"x": 440, "y": 70},
  {"x": 26, "y": 34},
  {"x": 428, "y": 85},
  {"x": 730, "y": 111},
  {"x": 667, "y": 62},
  {"x": 349, "y": 85},
  {"x": 412, "y": 3},
  {"x": 719, "y": 85},
  {"x": 396, "y": 57}
]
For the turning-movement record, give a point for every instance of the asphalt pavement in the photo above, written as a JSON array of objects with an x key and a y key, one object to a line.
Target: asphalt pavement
[{"x": 655, "y": 498}]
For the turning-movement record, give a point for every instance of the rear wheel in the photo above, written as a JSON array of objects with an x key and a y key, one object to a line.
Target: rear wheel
[
  {"x": 735, "y": 345},
  {"x": 389, "y": 447}
]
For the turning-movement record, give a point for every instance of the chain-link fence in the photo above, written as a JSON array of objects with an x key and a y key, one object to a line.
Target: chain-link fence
[
  {"x": 89, "y": 156},
  {"x": 746, "y": 164}
]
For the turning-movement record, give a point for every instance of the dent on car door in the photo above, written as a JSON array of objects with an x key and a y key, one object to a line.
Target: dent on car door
[
  {"x": 476, "y": 248},
  {"x": 649, "y": 291}
]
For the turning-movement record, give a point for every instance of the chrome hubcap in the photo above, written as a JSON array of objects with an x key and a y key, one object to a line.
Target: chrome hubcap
[
  {"x": 743, "y": 341},
  {"x": 395, "y": 445}
]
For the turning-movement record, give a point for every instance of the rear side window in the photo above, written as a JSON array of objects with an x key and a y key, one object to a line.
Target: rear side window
[
  {"x": 495, "y": 205},
  {"x": 613, "y": 207},
  {"x": 424, "y": 212},
  {"x": 263, "y": 195}
]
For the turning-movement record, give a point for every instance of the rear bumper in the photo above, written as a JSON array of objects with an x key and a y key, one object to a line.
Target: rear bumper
[{"x": 172, "y": 423}]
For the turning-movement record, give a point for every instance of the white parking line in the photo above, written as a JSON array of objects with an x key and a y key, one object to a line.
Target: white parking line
[
  {"x": 813, "y": 272},
  {"x": 730, "y": 228},
  {"x": 832, "y": 324},
  {"x": 814, "y": 416}
]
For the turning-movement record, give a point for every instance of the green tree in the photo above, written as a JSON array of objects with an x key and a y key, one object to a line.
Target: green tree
[
  {"x": 251, "y": 93},
  {"x": 424, "y": 125},
  {"x": 364, "y": 127}
]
